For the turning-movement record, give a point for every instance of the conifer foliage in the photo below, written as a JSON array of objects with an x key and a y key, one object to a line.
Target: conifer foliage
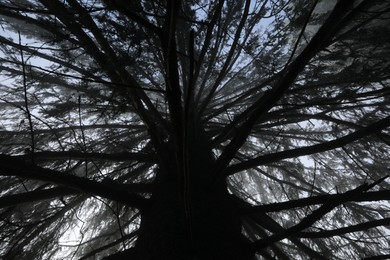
[{"x": 194, "y": 129}]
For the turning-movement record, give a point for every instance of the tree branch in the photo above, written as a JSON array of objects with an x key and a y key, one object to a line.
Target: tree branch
[
  {"x": 168, "y": 43},
  {"x": 268, "y": 223},
  {"x": 108, "y": 61},
  {"x": 314, "y": 216},
  {"x": 133, "y": 16},
  {"x": 320, "y": 199},
  {"x": 11, "y": 166},
  {"x": 12, "y": 200},
  {"x": 344, "y": 230},
  {"x": 76, "y": 155},
  {"x": 260, "y": 108},
  {"x": 26, "y": 104},
  {"x": 223, "y": 71},
  {"x": 128, "y": 253},
  {"x": 378, "y": 257},
  {"x": 208, "y": 37},
  {"x": 307, "y": 150}
]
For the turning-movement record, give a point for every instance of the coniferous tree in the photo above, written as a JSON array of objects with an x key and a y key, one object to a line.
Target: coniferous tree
[{"x": 249, "y": 129}]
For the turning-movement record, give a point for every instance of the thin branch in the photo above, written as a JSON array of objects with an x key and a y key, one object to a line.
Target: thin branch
[
  {"x": 133, "y": 16},
  {"x": 36, "y": 52},
  {"x": 302, "y": 32},
  {"x": 314, "y": 216},
  {"x": 320, "y": 199},
  {"x": 344, "y": 230},
  {"x": 130, "y": 253},
  {"x": 208, "y": 37},
  {"x": 108, "y": 61},
  {"x": 378, "y": 257},
  {"x": 267, "y": 101},
  {"x": 31, "y": 127},
  {"x": 307, "y": 150},
  {"x": 76, "y": 155},
  {"x": 228, "y": 59},
  {"x": 268, "y": 223},
  {"x": 114, "y": 243},
  {"x": 39, "y": 230}
]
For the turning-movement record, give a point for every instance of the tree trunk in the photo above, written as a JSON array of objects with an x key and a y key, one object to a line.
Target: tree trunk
[
  {"x": 189, "y": 216},
  {"x": 210, "y": 230}
]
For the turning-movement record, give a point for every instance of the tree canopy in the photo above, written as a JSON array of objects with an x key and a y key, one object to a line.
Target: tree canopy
[{"x": 227, "y": 128}]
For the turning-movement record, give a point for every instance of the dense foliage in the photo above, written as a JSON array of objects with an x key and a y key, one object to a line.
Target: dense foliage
[{"x": 269, "y": 118}]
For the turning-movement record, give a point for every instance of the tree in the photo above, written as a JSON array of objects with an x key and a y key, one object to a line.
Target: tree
[{"x": 194, "y": 129}]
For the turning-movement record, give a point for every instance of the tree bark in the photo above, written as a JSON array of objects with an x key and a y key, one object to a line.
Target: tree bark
[
  {"x": 189, "y": 215},
  {"x": 211, "y": 230}
]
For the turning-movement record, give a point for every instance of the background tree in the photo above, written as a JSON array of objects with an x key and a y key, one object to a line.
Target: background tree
[{"x": 194, "y": 129}]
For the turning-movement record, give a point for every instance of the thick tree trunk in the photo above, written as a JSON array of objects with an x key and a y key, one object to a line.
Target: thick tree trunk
[
  {"x": 189, "y": 216},
  {"x": 210, "y": 230}
]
